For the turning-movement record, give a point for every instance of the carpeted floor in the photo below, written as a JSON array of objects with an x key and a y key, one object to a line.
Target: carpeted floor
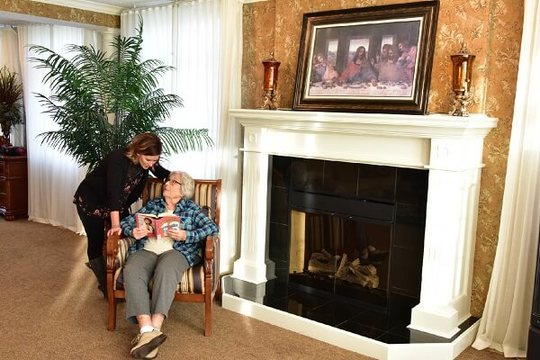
[{"x": 51, "y": 309}]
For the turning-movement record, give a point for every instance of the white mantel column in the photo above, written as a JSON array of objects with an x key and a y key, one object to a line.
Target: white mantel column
[
  {"x": 454, "y": 176},
  {"x": 253, "y": 265}
]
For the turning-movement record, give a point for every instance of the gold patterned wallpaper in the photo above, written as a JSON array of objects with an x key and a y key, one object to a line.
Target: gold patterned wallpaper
[
  {"x": 491, "y": 29},
  {"x": 27, "y": 7}
]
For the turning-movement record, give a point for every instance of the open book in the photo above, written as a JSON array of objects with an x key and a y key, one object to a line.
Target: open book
[{"x": 157, "y": 226}]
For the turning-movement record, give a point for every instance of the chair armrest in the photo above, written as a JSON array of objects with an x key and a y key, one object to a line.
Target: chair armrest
[
  {"x": 211, "y": 246},
  {"x": 111, "y": 251},
  {"x": 211, "y": 260}
]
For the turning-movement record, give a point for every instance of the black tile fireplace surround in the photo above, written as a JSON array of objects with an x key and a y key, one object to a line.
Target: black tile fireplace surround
[{"x": 354, "y": 207}]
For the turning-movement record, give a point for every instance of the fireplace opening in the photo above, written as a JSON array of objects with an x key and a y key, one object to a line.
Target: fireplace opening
[
  {"x": 349, "y": 232},
  {"x": 340, "y": 254}
]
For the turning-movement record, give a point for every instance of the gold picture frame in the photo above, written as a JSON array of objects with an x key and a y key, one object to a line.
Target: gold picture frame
[{"x": 373, "y": 59}]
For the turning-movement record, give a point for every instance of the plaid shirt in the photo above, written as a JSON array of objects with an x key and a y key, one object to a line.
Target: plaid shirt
[{"x": 197, "y": 225}]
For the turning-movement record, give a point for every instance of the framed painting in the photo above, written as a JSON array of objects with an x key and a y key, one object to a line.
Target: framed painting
[{"x": 373, "y": 59}]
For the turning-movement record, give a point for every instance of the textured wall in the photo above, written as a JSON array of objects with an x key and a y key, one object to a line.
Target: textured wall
[
  {"x": 27, "y": 7},
  {"x": 491, "y": 29}
]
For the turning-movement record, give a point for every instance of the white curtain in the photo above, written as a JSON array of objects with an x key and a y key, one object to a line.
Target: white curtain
[
  {"x": 187, "y": 36},
  {"x": 203, "y": 41},
  {"x": 53, "y": 176},
  {"x": 505, "y": 321},
  {"x": 229, "y": 97}
]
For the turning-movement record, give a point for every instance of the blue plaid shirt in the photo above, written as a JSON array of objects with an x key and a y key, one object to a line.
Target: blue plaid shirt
[{"x": 197, "y": 225}]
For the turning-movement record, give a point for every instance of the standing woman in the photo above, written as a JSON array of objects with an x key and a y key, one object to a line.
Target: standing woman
[{"x": 107, "y": 192}]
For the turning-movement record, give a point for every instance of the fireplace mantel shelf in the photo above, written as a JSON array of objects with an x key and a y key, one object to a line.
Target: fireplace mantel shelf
[
  {"x": 426, "y": 126},
  {"x": 450, "y": 148}
]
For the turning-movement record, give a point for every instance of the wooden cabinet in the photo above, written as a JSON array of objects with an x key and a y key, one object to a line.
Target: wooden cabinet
[{"x": 13, "y": 186}]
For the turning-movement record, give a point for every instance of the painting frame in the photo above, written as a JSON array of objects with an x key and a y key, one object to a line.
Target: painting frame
[{"x": 334, "y": 73}]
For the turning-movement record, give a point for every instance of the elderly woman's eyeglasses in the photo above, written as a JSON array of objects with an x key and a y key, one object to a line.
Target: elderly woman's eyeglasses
[{"x": 175, "y": 182}]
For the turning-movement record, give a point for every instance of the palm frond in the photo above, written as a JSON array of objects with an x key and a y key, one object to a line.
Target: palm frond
[{"x": 89, "y": 86}]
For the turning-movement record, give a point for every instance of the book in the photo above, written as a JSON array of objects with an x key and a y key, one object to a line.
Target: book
[{"x": 157, "y": 226}]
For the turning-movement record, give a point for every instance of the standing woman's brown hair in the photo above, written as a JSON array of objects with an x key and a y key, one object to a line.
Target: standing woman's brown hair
[{"x": 144, "y": 144}]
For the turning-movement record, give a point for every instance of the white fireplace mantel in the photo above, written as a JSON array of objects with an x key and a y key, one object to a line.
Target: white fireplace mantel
[{"x": 449, "y": 147}]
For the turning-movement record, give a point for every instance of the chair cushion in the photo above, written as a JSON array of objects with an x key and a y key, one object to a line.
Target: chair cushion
[{"x": 192, "y": 281}]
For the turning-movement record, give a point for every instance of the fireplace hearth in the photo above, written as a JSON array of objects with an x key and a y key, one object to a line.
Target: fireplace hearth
[{"x": 446, "y": 149}]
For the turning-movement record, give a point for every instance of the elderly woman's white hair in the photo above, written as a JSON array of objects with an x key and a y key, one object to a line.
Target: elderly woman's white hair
[{"x": 186, "y": 182}]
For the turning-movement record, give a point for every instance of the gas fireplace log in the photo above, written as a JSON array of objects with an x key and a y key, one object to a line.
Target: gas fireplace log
[
  {"x": 351, "y": 271},
  {"x": 365, "y": 269},
  {"x": 343, "y": 267},
  {"x": 323, "y": 262},
  {"x": 356, "y": 273},
  {"x": 364, "y": 280}
]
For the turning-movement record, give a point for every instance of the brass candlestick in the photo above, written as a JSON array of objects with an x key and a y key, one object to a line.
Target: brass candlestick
[
  {"x": 461, "y": 81},
  {"x": 270, "y": 82}
]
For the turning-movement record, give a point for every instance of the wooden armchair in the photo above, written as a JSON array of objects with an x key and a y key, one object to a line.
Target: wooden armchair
[{"x": 199, "y": 283}]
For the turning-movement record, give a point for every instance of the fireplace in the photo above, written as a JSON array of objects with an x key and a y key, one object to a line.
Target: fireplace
[
  {"x": 348, "y": 230},
  {"x": 446, "y": 149}
]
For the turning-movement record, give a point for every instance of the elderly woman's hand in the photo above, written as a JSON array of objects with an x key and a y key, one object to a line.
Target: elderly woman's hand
[
  {"x": 177, "y": 234},
  {"x": 139, "y": 232}
]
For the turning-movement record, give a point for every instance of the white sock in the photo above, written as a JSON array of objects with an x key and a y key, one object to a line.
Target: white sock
[{"x": 146, "y": 328}]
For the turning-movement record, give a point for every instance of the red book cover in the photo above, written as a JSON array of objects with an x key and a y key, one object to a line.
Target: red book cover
[{"x": 157, "y": 226}]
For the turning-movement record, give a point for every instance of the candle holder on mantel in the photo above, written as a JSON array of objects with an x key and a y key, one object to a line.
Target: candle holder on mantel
[
  {"x": 270, "y": 82},
  {"x": 461, "y": 81}
]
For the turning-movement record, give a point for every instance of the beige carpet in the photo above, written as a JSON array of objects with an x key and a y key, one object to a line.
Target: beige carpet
[{"x": 51, "y": 309}]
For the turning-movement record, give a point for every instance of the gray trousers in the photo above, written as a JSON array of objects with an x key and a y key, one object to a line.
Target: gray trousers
[{"x": 166, "y": 271}]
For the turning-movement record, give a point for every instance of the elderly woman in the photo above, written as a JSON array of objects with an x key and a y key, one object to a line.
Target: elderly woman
[{"x": 162, "y": 259}]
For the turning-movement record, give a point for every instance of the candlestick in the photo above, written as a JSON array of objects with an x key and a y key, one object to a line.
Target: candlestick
[
  {"x": 271, "y": 67},
  {"x": 461, "y": 81}
]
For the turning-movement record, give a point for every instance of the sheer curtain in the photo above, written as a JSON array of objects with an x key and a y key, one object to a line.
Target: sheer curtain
[
  {"x": 52, "y": 176},
  {"x": 203, "y": 40},
  {"x": 186, "y": 35},
  {"x": 505, "y": 321}
]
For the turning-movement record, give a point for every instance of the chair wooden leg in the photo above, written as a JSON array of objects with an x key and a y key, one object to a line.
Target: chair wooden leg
[
  {"x": 208, "y": 314},
  {"x": 208, "y": 306},
  {"x": 111, "y": 313}
]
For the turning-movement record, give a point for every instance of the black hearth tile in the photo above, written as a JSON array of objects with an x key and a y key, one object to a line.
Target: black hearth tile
[
  {"x": 468, "y": 323},
  {"x": 308, "y": 300},
  {"x": 420, "y": 337},
  {"x": 334, "y": 313},
  {"x": 389, "y": 338},
  {"x": 360, "y": 329},
  {"x": 379, "y": 320},
  {"x": 300, "y": 304},
  {"x": 401, "y": 330},
  {"x": 276, "y": 289},
  {"x": 277, "y": 303}
]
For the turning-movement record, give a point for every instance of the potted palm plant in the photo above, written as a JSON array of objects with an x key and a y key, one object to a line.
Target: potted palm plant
[
  {"x": 100, "y": 101},
  {"x": 11, "y": 94}
]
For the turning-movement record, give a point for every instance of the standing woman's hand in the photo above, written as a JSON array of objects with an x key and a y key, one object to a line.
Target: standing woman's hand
[
  {"x": 115, "y": 224},
  {"x": 114, "y": 230}
]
